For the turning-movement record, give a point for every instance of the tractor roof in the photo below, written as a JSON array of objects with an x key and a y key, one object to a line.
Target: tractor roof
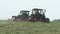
[
  {"x": 25, "y": 11},
  {"x": 37, "y": 9}
]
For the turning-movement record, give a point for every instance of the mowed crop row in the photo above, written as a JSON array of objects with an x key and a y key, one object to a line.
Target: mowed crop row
[{"x": 23, "y": 27}]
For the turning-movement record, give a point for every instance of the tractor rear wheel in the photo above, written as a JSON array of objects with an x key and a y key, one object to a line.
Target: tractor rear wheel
[{"x": 47, "y": 20}]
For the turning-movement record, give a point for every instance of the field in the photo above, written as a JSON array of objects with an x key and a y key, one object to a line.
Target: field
[{"x": 23, "y": 27}]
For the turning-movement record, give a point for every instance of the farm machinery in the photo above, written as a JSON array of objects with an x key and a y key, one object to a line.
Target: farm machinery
[
  {"x": 37, "y": 15},
  {"x": 23, "y": 16}
]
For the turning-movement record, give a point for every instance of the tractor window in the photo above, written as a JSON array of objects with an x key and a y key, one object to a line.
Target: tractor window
[
  {"x": 20, "y": 13},
  {"x": 27, "y": 12},
  {"x": 34, "y": 11},
  {"x": 24, "y": 13},
  {"x": 41, "y": 12}
]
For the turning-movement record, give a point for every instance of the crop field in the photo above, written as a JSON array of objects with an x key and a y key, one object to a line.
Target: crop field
[{"x": 24, "y": 27}]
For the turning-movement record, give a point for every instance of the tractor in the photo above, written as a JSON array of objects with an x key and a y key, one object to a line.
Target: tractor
[
  {"x": 38, "y": 15},
  {"x": 22, "y": 16}
]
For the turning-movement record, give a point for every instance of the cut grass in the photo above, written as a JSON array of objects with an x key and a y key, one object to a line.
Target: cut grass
[{"x": 23, "y": 27}]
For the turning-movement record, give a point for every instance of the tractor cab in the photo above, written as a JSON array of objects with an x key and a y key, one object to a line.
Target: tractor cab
[
  {"x": 24, "y": 12},
  {"x": 38, "y": 11}
]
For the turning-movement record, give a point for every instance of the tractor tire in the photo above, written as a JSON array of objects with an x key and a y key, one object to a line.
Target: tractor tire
[{"x": 47, "y": 20}]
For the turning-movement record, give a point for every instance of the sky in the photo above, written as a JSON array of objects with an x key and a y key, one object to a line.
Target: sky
[{"x": 10, "y": 8}]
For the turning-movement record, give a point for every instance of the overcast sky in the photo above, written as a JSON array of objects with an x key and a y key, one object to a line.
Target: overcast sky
[{"x": 9, "y": 8}]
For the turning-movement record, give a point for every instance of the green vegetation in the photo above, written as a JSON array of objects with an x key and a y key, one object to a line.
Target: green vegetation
[{"x": 23, "y": 27}]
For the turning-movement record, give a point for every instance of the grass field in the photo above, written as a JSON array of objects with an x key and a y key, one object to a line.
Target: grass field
[{"x": 23, "y": 27}]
